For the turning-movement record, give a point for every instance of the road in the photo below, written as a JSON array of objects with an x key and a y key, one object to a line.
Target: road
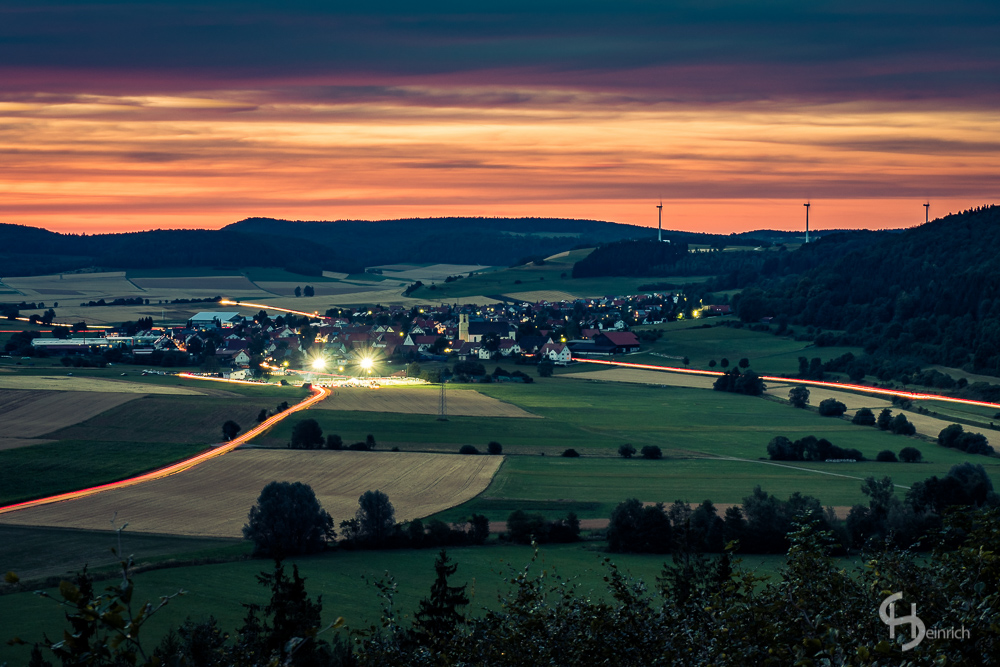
[{"x": 319, "y": 393}]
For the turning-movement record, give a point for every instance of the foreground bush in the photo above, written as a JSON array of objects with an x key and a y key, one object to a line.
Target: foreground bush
[{"x": 698, "y": 612}]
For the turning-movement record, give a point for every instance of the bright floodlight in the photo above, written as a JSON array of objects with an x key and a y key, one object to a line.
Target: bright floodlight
[
  {"x": 366, "y": 363},
  {"x": 319, "y": 363}
]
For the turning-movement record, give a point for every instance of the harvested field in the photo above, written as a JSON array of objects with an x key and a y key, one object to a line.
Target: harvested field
[
  {"x": 854, "y": 402},
  {"x": 87, "y": 384},
  {"x": 15, "y": 443},
  {"x": 226, "y": 284},
  {"x": 420, "y": 401},
  {"x": 319, "y": 288},
  {"x": 646, "y": 377},
  {"x": 75, "y": 286},
  {"x": 551, "y": 296},
  {"x": 214, "y": 498},
  {"x": 29, "y": 414},
  {"x": 430, "y": 273}
]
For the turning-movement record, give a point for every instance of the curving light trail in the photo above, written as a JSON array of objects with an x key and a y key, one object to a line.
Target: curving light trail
[
  {"x": 319, "y": 394},
  {"x": 227, "y": 302},
  {"x": 916, "y": 396}
]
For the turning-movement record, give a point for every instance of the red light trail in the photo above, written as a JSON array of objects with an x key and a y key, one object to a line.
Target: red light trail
[
  {"x": 319, "y": 394},
  {"x": 815, "y": 383},
  {"x": 227, "y": 302}
]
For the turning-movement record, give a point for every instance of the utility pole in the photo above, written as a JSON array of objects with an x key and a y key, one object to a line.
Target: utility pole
[{"x": 443, "y": 405}]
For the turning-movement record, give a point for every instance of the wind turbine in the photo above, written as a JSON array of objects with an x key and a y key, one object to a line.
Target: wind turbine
[
  {"x": 927, "y": 210},
  {"x": 807, "y": 221},
  {"x": 659, "y": 221}
]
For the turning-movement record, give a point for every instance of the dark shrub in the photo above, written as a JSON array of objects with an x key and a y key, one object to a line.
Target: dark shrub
[{"x": 652, "y": 452}]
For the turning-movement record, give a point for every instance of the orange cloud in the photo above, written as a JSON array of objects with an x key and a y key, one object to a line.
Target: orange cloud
[{"x": 89, "y": 163}]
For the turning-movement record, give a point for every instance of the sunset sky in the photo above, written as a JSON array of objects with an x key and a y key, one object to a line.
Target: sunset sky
[{"x": 120, "y": 116}]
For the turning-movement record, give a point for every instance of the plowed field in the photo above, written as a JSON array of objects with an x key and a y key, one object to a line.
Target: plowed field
[
  {"x": 29, "y": 414},
  {"x": 214, "y": 498},
  {"x": 420, "y": 401}
]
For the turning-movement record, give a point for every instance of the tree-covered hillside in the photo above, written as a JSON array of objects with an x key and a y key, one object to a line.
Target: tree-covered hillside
[{"x": 932, "y": 292}]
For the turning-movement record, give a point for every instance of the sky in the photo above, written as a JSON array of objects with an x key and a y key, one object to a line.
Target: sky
[{"x": 124, "y": 116}]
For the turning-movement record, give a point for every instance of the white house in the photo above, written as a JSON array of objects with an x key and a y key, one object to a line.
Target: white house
[{"x": 557, "y": 353}]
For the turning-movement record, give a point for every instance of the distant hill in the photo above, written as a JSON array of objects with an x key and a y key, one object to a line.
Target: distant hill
[
  {"x": 486, "y": 241},
  {"x": 310, "y": 247}
]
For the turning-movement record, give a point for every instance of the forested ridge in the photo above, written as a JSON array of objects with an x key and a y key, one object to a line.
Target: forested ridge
[{"x": 932, "y": 292}]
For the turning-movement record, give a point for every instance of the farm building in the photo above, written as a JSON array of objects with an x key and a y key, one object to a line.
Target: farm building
[{"x": 215, "y": 320}]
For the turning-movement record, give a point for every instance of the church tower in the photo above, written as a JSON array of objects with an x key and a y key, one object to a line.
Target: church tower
[{"x": 463, "y": 327}]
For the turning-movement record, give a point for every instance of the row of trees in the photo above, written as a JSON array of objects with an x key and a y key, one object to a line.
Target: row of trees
[
  {"x": 809, "y": 448},
  {"x": 288, "y": 520}
]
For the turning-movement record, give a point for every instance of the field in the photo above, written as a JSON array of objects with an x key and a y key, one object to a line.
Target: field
[
  {"x": 29, "y": 414},
  {"x": 176, "y": 418},
  {"x": 213, "y": 499},
  {"x": 768, "y": 354},
  {"x": 82, "y": 383},
  {"x": 421, "y": 401},
  {"x": 552, "y": 277}
]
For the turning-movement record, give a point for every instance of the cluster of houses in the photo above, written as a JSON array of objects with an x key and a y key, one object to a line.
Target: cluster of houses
[{"x": 553, "y": 331}]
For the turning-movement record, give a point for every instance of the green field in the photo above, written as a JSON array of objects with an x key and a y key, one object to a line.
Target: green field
[
  {"x": 138, "y": 436},
  {"x": 768, "y": 354},
  {"x": 36, "y": 553},
  {"x": 68, "y": 465},
  {"x": 554, "y": 275},
  {"x": 339, "y": 577}
]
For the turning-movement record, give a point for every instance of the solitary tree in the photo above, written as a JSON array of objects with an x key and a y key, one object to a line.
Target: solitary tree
[
  {"x": 652, "y": 452},
  {"x": 334, "y": 441},
  {"x": 230, "y": 429},
  {"x": 308, "y": 291},
  {"x": 376, "y": 516},
  {"x": 298, "y": 291},
  {"x": 262, "y": 415},
  {"x": 307, "y": 434},
  {"x": 798, "y": 396},
  {"x": 910, "y": 455},
  {"x": 864, "y": 417},
  {"x": 545, "y": 368},
  {"x": 495, "y": 448},
  {"x": 288, "y": 520},
  {"x": 626, "y": 451},
  {"x": 724, "y": 363},
  {"x": 438, "y": 617},
  {"x": 831, "y": 407},
  {"x": 744, "y": 363}
]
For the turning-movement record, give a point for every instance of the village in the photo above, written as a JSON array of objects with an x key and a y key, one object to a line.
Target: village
[{"x": 234, "y": 345}]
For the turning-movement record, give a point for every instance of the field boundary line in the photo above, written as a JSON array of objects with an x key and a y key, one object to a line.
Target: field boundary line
[
  {"x": 320, "y": 393},
  {"x": 785, "y": 465}
]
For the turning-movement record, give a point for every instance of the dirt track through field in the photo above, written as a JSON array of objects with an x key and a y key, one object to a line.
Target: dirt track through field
[
  {"x": 421, "y": 401},
  {"x": 29, "y": 414},
  {"x": 214, "y": 498}
]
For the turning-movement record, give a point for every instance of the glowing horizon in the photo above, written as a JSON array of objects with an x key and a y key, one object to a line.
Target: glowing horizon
[{"x": 732, "y": 116}]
